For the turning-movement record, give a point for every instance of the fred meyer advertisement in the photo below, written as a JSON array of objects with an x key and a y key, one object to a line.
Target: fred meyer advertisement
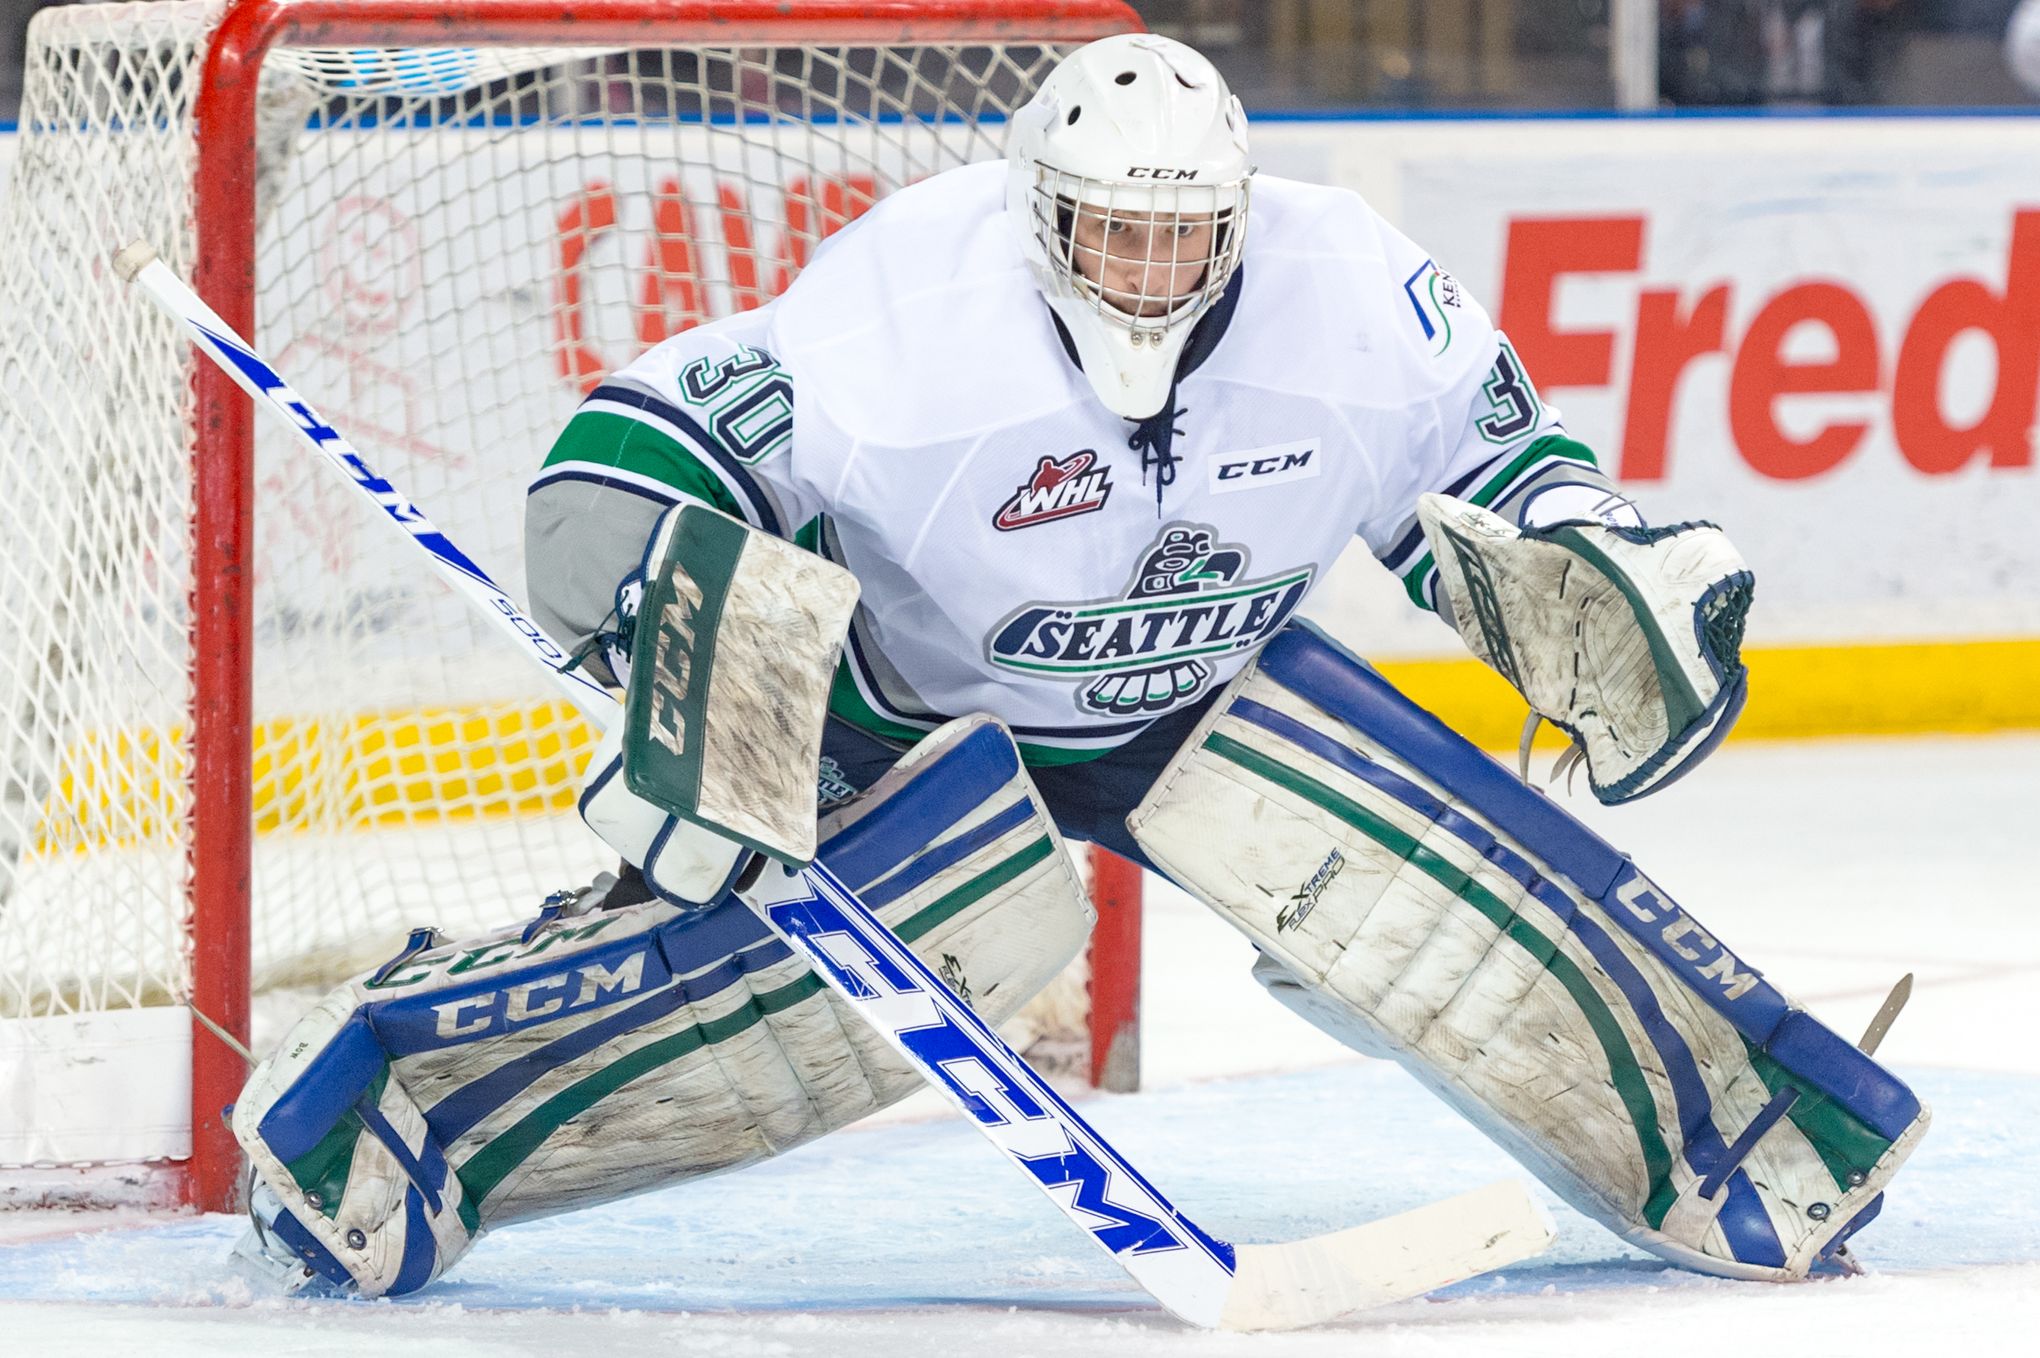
[{"x": 1823, "y": 334}]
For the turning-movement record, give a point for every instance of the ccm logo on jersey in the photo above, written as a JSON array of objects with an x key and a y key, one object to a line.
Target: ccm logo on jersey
[
  {"x": 1268, "y": 466},
  {"x": 1057, "y": 490}
]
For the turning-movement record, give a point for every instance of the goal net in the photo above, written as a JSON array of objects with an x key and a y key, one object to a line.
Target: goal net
[{"x": 443, "y": 222}]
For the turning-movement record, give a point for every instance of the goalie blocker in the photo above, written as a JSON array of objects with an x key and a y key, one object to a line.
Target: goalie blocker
[
  {"x": 731, "y": 637},
  {"x": 1414, "y": 900}
]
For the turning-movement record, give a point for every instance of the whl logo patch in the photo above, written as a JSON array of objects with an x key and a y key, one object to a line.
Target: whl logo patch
[
  {"x": 1057, "y": 490},
  {"x": 1147, "y": 650}
]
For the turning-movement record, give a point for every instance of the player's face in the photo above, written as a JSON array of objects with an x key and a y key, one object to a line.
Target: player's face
[{"x": 1146, "y": 264}]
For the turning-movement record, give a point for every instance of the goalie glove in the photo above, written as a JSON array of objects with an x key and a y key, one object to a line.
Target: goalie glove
[{"x": 1625, "y": 637}]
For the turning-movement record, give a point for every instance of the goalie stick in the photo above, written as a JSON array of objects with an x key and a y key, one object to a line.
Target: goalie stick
[{"x": 1196, "y": 1276}]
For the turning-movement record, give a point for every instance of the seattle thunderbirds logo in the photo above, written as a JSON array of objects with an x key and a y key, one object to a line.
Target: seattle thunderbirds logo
[{"x": 1146, "y": 651}]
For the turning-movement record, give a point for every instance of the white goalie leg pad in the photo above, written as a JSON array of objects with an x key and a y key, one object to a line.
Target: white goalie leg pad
[
  {"x": 1626, "y": 638},
  {"x": 1412, "y": 898},
  {"x": 595, "y": 1053}
]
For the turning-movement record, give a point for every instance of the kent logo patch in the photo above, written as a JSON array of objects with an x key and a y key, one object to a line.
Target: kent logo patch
[
  {"x": 1144, "y": 651},
  {"x": 1057, "y": 490},
  {"x": 1436, "y": 296}
]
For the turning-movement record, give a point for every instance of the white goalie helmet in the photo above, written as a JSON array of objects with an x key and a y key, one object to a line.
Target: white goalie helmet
[
  {"x": 2022, "y": 45},
  {"x": 1127, "y": 181}
]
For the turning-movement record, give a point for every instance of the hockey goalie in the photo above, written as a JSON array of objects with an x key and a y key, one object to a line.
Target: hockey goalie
[{"x": 991, "y": 533}]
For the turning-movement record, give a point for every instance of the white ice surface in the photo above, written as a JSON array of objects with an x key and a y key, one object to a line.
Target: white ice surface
[{"x": 1833, "y": 867}]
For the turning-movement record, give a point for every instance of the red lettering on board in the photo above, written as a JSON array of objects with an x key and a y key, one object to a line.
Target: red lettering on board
[
  {"x": 1762, "y": 374},
  {"x": 1670, "y": 334},
  {"x": 2011, "y": 319},
  {"x": 1539, "y": 252}
]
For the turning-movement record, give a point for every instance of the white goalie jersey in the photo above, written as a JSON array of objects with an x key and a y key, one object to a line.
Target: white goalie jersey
[{"x": 910, "y": 410}]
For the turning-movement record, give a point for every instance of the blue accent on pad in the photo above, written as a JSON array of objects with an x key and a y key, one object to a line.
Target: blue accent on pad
[
  {"x": 1746, "y": 1225},
  {"x": 421, "y": 1251},
  {"x": 323, "y": 1091},
  {"x": 423, "y": 1180},
  {"x": 1655, "y": 920},
  {"x": 479, "y": 1009},
  {"x": 1739, "y": 1149},
  {"x": 941, "y": 792},
  {"x": 421, "y": 939},
  {"x": 1839, "y": 1069},
  {"x": 1308, "y": 663},
  {"x": 946, "y": 855},
  {"x": 308, "y": 1247},
  {"x": 1856, "y": 1223},
  {"x": 716, "y": 948}
]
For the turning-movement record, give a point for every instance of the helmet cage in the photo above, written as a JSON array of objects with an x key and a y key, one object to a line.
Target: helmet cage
[{"x": 1056, "y": 199}]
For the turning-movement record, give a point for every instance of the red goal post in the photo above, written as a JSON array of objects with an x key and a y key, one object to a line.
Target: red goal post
[{"x": 230, "y": 200}]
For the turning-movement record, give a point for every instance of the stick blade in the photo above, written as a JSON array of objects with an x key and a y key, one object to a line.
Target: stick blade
[{"x": 1282, "y": 1287}]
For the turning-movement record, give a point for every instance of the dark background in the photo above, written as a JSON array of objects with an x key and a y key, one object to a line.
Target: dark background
[{"x": 1542, "y": 54}]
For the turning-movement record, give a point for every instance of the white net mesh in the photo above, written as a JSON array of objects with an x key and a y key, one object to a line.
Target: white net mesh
[{"x": 453, "y": 245}]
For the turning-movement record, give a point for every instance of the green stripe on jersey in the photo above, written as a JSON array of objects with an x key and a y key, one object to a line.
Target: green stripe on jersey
[
  {"x": 1534, "y": 460},
  {"x": 602, "y": 438}
]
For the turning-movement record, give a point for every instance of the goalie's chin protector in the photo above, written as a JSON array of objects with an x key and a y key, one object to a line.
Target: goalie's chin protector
[
  {"x": 1414, "y": 899},
  {"x": 594, "y": 1053},
  {"x": 1627, "y": 638}
]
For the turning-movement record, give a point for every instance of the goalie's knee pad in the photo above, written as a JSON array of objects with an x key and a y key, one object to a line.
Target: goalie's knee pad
[
  {"x": 595, "y": 1053},
  {"x": 1414, "y": 899}
]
